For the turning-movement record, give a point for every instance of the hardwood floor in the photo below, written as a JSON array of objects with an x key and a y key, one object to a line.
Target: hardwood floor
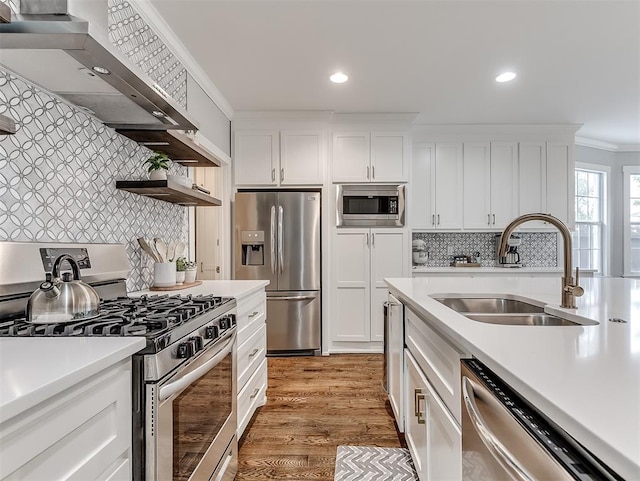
[{"x": 314, "y": 405}]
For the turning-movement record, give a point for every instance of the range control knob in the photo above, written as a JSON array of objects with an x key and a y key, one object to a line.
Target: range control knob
[
  {"x": 197, "y": 343},
  {"x": 186, "y": 350},
  {"x": 211, "y": 332},
  {"x": 225, "y": 323}
]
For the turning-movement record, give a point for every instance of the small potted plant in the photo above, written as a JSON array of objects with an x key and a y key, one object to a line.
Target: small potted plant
[
  {"x": 158, "y": 165},
  {"x": 181, "y": 267},
  {"x": 190, "y": 272}
]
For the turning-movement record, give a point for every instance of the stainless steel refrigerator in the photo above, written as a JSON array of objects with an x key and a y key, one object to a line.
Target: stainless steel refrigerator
[{"x": 277, "y": 237}]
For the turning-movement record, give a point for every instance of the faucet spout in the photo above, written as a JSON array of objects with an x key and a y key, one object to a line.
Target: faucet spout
[{"x": 570, "y": 288}]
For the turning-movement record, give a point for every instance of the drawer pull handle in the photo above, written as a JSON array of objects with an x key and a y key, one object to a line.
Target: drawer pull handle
[
  {"x": 255, "y": 393},
  {"x": 255, "y": 351},
  {"x": 254, "y": 314},
  {"x": 416, "y": 392},
  {"x": 421, "y": 414}
]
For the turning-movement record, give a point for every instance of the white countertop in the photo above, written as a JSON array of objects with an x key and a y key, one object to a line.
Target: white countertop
[
  {"x": 226, "y": 288},
  {"x": 34, "y": 369},
  {"x": 584, "y": 378}
]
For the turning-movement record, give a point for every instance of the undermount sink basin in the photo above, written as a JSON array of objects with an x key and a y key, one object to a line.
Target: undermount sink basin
[
  {"x": 489, "y": 305},
  {"x": 521, "y": 319}
]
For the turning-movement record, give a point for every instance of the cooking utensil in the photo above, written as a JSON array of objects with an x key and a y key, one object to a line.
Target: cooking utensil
[
  {"x": 171, "y": 250},
  {"x": 161, "y": 247},
  {"x": 148, "y": 248},
  {"x": 65, "y": 298},
  {"x": 180, "y": 247}
]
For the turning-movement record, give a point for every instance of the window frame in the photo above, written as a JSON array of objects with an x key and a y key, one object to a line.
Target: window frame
[
  {"x": 605, "y": 206},
  {"x": 627, "y": 172}
]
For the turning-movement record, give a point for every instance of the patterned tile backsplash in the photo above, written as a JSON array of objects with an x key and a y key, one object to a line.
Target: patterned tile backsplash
[
  {"x": 538, "y": 249},
  {"x": 58, "y": 174}
]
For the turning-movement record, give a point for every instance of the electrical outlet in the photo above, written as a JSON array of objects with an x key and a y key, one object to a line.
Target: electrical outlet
[{"x": 449, "y": 250}]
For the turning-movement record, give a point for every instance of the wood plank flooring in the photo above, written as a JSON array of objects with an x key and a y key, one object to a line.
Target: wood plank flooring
[{"x": 314, "y": 405}]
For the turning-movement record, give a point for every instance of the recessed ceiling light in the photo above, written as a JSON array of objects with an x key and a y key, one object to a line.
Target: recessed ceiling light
[
  {"x": 339, "y": 78},
  {"x": 100, "y": 70},
  {"x": 505, "y": 77}
]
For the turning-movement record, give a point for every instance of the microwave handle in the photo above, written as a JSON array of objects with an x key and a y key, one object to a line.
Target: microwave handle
[{"x": 181, "y": 383}]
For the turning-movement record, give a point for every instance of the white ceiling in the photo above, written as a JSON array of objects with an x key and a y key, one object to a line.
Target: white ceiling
[{"x": 578, "y": 61}]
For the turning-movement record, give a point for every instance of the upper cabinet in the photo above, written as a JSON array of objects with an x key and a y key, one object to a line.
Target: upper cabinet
[
  {"x": 370, "y": 157},
  {"x": 277, "y": 158}
]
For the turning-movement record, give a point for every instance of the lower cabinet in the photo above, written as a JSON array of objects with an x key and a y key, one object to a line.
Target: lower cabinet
[
  {"x": 433, "y": 435},
  {"x": 82, "y": 433},
  {"x": 251, "y": 356}
]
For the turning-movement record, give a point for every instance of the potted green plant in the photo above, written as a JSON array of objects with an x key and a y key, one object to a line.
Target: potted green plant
[
  {"x": 158, "y": 165},
  {"x": 181, "y": 267},
  {"x": 190, "y": 272}
]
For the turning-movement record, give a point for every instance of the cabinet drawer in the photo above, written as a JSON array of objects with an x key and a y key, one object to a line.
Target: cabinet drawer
[
  {"x": 252, "y": 396},
  {"x": 252, "y": 311},
  {"x": 250, "y": 355},
  {"x": 438, "y": 359}
]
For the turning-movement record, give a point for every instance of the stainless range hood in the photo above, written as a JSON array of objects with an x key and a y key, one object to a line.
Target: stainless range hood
[{"x": 73, "y": 58}]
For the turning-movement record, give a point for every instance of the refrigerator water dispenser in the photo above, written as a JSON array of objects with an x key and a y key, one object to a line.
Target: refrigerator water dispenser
[{"x": 252, "y": 247}]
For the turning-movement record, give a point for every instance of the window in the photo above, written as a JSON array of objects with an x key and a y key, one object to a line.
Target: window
[
  {"x": 589, "y": 236},
  {"x": 632, "y": 220}
]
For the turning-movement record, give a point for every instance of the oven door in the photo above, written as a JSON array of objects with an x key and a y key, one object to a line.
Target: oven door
[{"x": 191, "y": 419}]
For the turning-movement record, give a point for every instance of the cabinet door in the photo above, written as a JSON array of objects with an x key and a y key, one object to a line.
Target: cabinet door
[
  {"x": 301, "y": 157},
  {"x": 447, "y": 186},
  {"x": 415, "y": 427},
  {"x": 351, "y": 157},
  {"x": 532, "y": 175},
  {"x": 444, "y": 441},
  {"x": 420, "y": 209},
  {"x": 504, "y": 182},
  {"x": 388, "y": 259},
  {"x": 351, "y": 267},
  {"x": 256, "y": 158},
  {"x": 389, "y": 157},
  {"x": 560, "y": 182},
  {"x": 477, "y": 185}
]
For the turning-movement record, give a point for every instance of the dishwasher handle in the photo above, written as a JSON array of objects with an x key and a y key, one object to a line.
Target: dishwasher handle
[{"x": 498, "y": 450}]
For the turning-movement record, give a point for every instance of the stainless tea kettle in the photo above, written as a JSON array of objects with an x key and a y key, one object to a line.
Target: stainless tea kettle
[{"x": 63, "y": 298}]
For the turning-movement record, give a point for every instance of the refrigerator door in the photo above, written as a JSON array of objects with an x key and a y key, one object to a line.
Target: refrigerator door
[
  {"x": 298, "y": 237},
  {"x": 256, "y": 220},
  {"x": 293, "y": 321}
]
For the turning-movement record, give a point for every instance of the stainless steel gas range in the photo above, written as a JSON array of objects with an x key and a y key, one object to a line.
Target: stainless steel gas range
[{"x": 184, "y": 380}]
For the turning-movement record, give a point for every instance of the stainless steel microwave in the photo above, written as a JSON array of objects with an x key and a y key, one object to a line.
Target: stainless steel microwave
[{"x": 370, "y": 205}]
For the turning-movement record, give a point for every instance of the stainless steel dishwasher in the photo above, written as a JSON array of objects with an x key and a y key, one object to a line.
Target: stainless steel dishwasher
[{"x": 504, "y": 438}]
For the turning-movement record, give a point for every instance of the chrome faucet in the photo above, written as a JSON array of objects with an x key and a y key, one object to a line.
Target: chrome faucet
[{"x": 569, "y": 290}]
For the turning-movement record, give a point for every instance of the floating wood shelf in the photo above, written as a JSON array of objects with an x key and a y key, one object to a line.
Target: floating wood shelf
[{"x": 169, "y": 191}]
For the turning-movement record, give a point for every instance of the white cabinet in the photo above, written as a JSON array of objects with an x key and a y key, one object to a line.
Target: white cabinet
[
  {"x": 251, "y": 352},
  {"x": 490, "y": 179},
  {"x": 433, "y": 436},
  {"x": 363, "y": 258},
  {"x": 81, "y": 433},
  {"x": 437, "y": 186},
  {"x": 370, "y": 157},
  {"x": 277, "y": 158},
  {"x": 560, "y": 182}
]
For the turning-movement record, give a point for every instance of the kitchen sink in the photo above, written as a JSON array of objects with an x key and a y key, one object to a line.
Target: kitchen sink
[
  {"x": 489, "y": 305},
  {"x": 525, "y": 320}
]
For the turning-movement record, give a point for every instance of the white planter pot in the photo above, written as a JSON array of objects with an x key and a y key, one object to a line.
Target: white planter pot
[
  {"x": 159, "y": 174},
  {"x": 179, "y": 277},
  {"x": 190, "y": 275}
]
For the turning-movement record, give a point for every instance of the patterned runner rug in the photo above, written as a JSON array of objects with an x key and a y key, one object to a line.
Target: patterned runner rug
[{"x": 365, "y": 463}]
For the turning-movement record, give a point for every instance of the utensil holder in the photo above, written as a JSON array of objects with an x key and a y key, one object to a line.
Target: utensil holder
[{"x": 164, "y": 274}]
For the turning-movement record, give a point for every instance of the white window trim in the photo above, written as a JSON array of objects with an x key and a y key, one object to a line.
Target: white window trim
[
  {"x": 627, "y": 171},
  {"x": 606, "y": 211}
]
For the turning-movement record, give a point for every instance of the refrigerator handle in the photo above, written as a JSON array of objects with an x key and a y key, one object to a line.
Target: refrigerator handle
[
  {"x": 280, "y": 240},
  {"x": 273, "y": 239}
]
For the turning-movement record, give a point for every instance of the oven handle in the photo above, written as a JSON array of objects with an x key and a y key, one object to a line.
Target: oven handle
[
  {"x": 498, "y": 450},
  {"x": 181, "y": 383}
]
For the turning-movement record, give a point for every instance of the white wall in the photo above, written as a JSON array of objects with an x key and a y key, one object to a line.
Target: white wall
[{"x": 614, "y": 160}]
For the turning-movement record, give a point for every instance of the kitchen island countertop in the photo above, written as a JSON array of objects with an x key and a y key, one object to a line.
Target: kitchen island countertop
[{"x": 584, "y": 378}]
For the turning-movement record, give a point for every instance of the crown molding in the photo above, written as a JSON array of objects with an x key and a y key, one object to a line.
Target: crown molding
[
  {"x": 164, "y": 31},
  {"x": 598, "y": 144},
  {"x": 313, "y": 115}
]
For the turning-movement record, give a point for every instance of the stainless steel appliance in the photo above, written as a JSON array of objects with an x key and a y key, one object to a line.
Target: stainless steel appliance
[
  {"x": 362, "y": 205},
  {"x": 504, "y": 438},
  {"x": 512, "y": 256},
  {"x": 184, "y": 380},
  {"x": 277, "y": 238}
]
